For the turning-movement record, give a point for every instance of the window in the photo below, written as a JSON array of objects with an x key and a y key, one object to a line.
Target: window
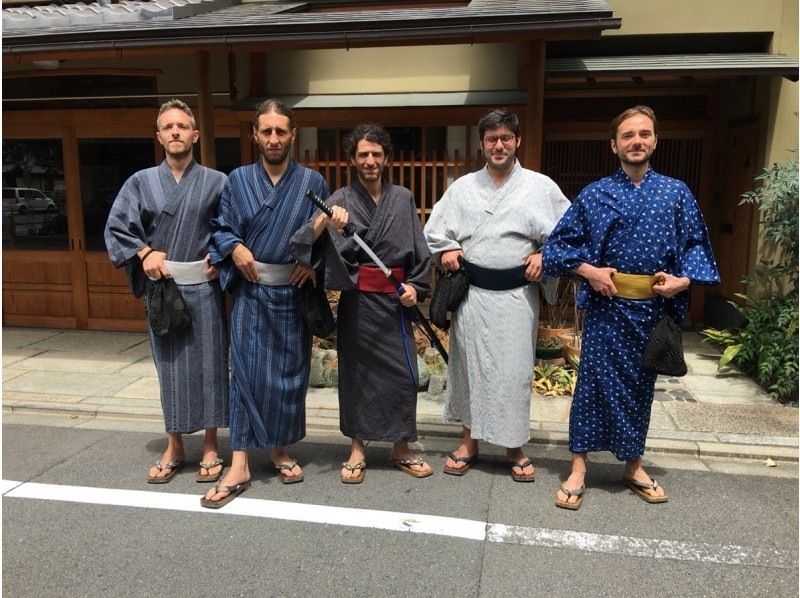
[
  {"x": 105, "y": 164},
  {"x": 34, "y": 215}
]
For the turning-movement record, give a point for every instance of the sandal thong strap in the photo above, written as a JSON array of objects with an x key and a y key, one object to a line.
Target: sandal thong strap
[
  {"x": 218, "y": 461},
  {"x": 287, "y": 466},
  {"x": 353, "y": 468},
  {"x": 171, "y": 465},
  {"x": 467, "y": 459},
  {"x": 644, "y": 485},
  {"x": 410, "y": 462},
  {"x": 228, "y": 489},
  {"x": 522, "y": 464},
  {"x": 571, "y": 493}
]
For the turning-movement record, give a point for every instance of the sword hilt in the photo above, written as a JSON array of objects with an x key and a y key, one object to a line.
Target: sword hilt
[{"x": 349, "y": 228}]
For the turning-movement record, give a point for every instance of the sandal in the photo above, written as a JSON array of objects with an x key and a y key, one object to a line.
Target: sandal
[
  {"x": 407, "y": 465},
  {"x": 467, "y": 461},
  {"x": 522, "y": 477},
  {"x": 640, "y": 489},
  {"x": 288, "y": 466},
  {"x": 572, "y": 506},
  {"x": 210, "y": 477},
  {"x": 233, "y": 492},
  {"x": 173, "y": 467},
  {"x": 360, "y": 467}
]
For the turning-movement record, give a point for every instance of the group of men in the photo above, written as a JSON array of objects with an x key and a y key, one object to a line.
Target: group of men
[{"x": 256, "y": 235}]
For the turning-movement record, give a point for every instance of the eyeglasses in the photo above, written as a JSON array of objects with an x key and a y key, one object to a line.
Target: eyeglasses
[{"x": 506, "y": 138}]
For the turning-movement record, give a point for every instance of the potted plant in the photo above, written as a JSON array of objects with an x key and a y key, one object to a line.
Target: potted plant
[
  {"x": 549, "y": 347},
  {"x": 556, "y": 318}
]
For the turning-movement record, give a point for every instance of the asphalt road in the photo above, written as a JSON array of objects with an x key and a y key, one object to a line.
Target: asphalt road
[{"x": 79, "y": 520}]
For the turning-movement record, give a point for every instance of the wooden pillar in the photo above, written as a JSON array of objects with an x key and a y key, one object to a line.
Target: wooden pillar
[
  {"x": 533, "y": 133},
  {"x": 205, "y": 110}
]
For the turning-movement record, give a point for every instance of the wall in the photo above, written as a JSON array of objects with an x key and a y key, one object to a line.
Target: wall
[{"x": 380, "y": 70}]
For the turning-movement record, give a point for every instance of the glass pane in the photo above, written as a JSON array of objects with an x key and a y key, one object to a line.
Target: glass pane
[
  {"x": 105, "y": 165},
  {"x": 34, "y": 198}
]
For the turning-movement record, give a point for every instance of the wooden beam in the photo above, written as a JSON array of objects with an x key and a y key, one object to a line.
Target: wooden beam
[
  {"x": 533, "y": 132},
  {"x": 205, "y": 105}
]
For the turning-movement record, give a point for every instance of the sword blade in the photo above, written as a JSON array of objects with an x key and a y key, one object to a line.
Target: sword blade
[{"x": 371, "y": 254}]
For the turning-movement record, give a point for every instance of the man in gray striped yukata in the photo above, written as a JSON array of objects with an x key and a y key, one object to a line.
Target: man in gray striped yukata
[{"x": 160, "y": 224}]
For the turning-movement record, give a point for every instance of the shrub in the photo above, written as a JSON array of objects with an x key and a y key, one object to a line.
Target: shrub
[{"x": 766, "y": 346}]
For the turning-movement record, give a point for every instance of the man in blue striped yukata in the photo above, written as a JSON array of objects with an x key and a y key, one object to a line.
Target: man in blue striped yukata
[
  {"x": 159, "y": 226},
  {"x": 261, "y": 207}
]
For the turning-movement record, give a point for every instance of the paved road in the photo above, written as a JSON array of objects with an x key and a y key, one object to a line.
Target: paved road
[{"x": 78, "y": 520}]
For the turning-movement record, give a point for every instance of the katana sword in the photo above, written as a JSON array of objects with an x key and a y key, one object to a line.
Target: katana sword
[{"x": 350, "y": 231}]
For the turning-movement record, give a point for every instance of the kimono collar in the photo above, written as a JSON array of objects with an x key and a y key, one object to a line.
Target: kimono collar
[
  {"x": 514, "y": 170},
  {"x": 625, "y": 179}
]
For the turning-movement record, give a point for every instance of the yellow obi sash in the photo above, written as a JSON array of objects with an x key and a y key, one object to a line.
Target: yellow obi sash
[{"x": 634, "y": 286}]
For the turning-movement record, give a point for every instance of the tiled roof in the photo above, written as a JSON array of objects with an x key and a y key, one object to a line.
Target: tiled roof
[{"x": 135, "y": 23}]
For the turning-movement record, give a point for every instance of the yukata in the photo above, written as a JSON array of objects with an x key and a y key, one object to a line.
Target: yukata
[
  {"x": 192, "y": 364},
  {"x": 493, "y": 332},
  {"x": 655, "y": 227},
  {"x": 270, "y": 344},
  {"x": 375, "y": 341}
]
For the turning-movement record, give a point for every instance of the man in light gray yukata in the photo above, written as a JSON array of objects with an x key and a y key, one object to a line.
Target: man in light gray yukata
[
  {"x": 159, "y": 225},
  {"x": 496, "y": 220}
]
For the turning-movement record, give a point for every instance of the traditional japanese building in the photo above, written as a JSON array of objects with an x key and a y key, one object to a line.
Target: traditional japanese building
[{"x": 81, "y": 84}]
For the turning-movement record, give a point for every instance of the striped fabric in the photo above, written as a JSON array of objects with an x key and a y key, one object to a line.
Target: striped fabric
[
  {"x": 192, "y": 365},
  {"x": 270, "y": 345}
]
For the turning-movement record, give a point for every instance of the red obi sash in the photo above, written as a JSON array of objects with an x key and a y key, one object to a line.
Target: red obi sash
[{"x": 372, "y": 280}]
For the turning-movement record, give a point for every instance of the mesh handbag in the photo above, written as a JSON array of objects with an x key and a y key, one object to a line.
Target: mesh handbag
[
  {"x": 663, "y": 353},
  {"x": 166, "y": 309}
]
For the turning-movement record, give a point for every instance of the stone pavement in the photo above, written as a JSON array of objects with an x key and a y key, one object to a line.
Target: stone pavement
[{"x": 106, "y": 375}]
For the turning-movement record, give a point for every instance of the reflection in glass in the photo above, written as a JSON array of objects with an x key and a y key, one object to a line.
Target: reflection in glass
[
  {"x": 34, "y": 215},
  {"x": 105, "y": 165}
]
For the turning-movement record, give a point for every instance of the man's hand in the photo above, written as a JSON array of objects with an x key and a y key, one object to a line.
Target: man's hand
[
  {"x": 669, "y": 285},
  {"x": 243, "y": 259},
  {"x": 338, "y": 221},
  {"x": 153, "y": 263},
  {"x": 449, "y": 259},
  {"x": 409, "y": 296},
  {"x": 600, "y": 278},
  {"x": 301, "y": 274},
  {"x": 211, "y": 271},
  {"x": 533, "y": 267}
]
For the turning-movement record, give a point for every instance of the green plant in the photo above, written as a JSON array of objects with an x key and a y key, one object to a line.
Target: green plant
[
  {"x": 765, "y": 347},
  {"x": 554, "y": 380}
]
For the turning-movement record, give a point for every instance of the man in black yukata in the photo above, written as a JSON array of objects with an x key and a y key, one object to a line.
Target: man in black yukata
[
  {"x": 159, "y": 222},
  {"x": 378, "y": 375}
]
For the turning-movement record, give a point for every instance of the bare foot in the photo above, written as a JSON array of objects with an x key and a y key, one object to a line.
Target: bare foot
[
  {"x": 517, "y": 456},
  {"x": 402, "y": 452},
  {"x": 575, "y": 481},
  {"x": 637, "y": 473},
  {"x": 169, "y": 456},
  {"x": 218, "y": 492},
  {"x": 287, "y": 468},
  {"x": 465, "y": 450},
  {"x": 357, "y": 455}
]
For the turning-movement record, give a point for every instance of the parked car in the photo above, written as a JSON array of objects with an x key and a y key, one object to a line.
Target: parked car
[{"x": 22, "y": 200}]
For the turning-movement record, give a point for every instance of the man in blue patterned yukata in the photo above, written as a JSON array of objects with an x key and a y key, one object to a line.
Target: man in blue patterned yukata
[
  {"x": 638, "y": 241},
  {"x": 261, "y": 207}
]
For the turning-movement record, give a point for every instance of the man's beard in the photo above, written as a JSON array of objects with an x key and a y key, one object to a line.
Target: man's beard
[{"x": 274, "y": 159}]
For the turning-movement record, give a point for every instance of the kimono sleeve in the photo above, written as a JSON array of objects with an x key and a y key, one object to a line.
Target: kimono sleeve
[
  {"x": 439, "y": 231},
  {"x": 125, "y": 233},
  {"x": 694, "y": 256}
]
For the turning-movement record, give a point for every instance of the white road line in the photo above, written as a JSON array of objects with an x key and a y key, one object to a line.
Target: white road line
[
  {"x": 722, "y": 554},
  {"x": 451, "y": 527}
]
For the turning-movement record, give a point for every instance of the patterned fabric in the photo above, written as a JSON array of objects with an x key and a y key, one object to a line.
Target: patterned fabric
[
  {"x": 375, "y": 340},
  {"x": 192, "y": 365},
  {"x": 270, "y": 345},
  {"x": 654, "y": 227},
  {"x": 493, "y": 334}
]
